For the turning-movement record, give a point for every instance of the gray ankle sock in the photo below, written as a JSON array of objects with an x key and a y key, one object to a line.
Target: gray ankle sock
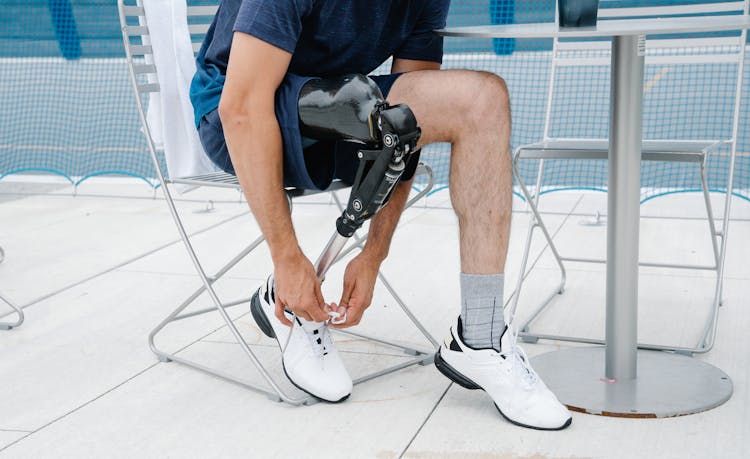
[{"x": 482, "y": 310}]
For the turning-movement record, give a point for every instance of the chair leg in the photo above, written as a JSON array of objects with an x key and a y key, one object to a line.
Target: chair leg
[
  {"x": 706, "y": 342},
  {"x": 708, "y": 338},
  {"x": 536, "y": 222},
  {"x": 19, "y": 312},
  {"x": 277, "y": 393}
]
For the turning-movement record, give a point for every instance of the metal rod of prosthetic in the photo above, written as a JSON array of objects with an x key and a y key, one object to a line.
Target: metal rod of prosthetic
[{"x": 330, "y": 253}]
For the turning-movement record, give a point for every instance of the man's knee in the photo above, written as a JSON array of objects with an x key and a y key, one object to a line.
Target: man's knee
[{"x": 491, "y": 96}]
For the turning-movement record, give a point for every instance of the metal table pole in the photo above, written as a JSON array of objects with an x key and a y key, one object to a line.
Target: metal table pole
[
  {"x": 620, "y": 380},
  {"x": 623, "y": 206}
]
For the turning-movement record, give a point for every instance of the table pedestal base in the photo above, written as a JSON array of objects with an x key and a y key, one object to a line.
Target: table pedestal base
[{"x": 667, "y": 384}]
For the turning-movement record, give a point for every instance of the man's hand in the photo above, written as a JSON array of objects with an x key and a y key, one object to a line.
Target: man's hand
[
  {"x": 359, "y": 283},
  {"x": 297, "y": 287}
]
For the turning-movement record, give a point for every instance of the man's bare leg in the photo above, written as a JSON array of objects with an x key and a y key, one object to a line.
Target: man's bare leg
[{"x": 471, "y": 110}]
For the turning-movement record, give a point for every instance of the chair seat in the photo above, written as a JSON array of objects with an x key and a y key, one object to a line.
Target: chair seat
[
  {"x": 213, "y": 179},
  {"x": 225, "y": 180},
  {"x": 652, "y": 150}
]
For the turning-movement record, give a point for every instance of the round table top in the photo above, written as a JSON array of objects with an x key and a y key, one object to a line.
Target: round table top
[{"x": 604, "y": 28}]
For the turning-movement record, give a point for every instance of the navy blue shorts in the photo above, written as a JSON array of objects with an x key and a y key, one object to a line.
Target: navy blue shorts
[{"x": 307, "y": 167}]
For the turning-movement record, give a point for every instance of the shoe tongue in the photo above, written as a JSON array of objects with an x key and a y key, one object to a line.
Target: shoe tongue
[
  {"x": 309, "y": 325},
  {"x": 506, "y": 340}
]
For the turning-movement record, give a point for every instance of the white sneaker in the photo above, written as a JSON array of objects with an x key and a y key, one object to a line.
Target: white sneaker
[
  {"x": 507, "y": 377},
  {"x": 309, "y": 358}
]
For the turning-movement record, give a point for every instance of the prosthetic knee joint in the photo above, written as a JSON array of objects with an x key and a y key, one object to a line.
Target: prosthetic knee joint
[{"x": 352, "y": 108}]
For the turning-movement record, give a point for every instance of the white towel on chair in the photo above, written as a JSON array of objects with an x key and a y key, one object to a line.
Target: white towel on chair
[{"x": 170, "y": 112}]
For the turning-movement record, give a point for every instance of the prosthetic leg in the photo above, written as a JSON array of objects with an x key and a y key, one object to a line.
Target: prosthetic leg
[{"x": 352, "y": 108}]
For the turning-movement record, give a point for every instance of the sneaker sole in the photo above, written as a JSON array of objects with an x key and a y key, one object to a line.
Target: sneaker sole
[
  {"x": 261, "y": 319},
  {"x": 453, "y": 374},
  {"x": 308, "y": 392},
  {"x": 456, "y": 376}
]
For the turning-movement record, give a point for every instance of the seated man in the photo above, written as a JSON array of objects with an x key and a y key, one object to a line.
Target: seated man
[{"x": 247, "y": 112}]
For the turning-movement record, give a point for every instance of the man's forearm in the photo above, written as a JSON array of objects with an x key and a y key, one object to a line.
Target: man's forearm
[
  {"x": 255, "y": 147},
  {"x": 384, "y": 223}
]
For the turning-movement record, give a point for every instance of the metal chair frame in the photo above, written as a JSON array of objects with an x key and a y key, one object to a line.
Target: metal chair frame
[
  {"x": 658, "y": 51},
  {"x": 16, "y": 308},
  {"x": 141, "y": 67}
]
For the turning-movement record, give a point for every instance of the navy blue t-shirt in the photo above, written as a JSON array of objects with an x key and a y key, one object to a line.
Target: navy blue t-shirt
[{"x": 325, "y": 37}]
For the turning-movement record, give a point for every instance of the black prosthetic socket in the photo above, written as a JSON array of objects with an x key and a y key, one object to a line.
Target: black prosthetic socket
[
  {"x": 340, "y": 108},
  {"x": 352, "y": 108}
]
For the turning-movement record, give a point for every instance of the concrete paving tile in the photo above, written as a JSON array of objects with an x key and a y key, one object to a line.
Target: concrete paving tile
[
  {"x": 175, "y": 411},
  {"x": 13, "y": 190},
  {"x": 721, "y": 432},
  {"x": 81, "y": 343},
  {"x": 53, "y": 241}
]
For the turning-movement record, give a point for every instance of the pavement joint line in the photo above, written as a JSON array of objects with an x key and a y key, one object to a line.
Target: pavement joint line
[
  {"x": 108, "y": 391},
  {"x": 15, "y": 430},
  {"x": 124, "y": 263},
  {"x": 427, "y": 418},
  {"x": 341, "y": 351}
]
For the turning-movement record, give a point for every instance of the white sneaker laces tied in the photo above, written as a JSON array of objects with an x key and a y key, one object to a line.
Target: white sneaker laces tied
[
  {"x": 319, "y": 338},
  {"x": 519, "y": 359}
]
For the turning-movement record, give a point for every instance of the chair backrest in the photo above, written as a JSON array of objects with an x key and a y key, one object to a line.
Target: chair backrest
[
  {"x": 140, "y": 58},
  {"x": 581, "y": 67}
]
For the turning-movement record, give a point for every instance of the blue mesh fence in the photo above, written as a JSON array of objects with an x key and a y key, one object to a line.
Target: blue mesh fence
[{"x": 69, "y": 108}]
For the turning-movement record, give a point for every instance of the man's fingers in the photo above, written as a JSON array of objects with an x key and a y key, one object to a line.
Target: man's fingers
[
  {"x": 281, "y": 316},
  {"x": 317, "y": 313},
  {"x": 319, "y": 296},
  {"x": 346, "y": 295},
  {"x": 280, "y": 311}
]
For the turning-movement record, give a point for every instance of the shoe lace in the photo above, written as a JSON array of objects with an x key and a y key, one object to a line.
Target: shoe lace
[
  {"x": 519, "y": 361},
  {"x": 319, "y": 338}
]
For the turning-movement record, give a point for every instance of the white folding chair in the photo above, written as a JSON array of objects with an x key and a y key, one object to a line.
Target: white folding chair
[
  {"x": 666, "y": 52},
  {"x": 134, "y": 25},
  {"x": 4, "y": 299}
]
